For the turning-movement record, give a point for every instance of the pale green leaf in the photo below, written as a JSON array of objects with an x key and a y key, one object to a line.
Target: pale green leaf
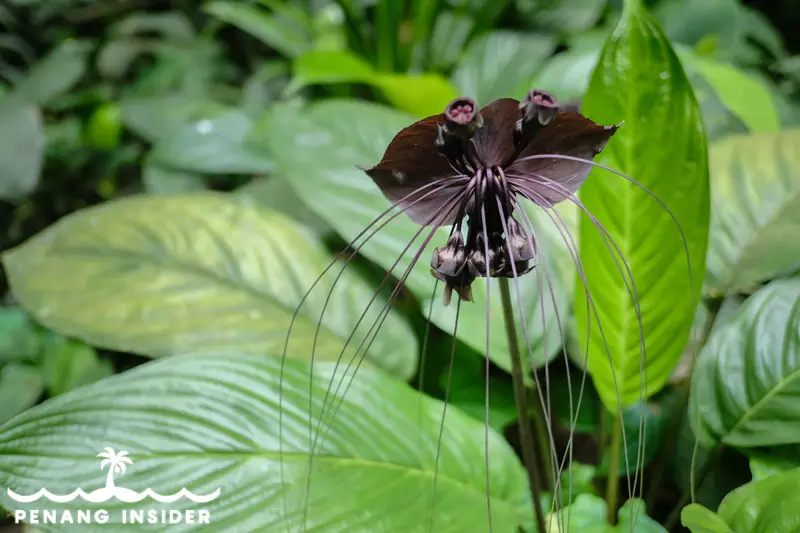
[
  {"x": 501, "y": 64},
  {"x": 200, "y": 273},
  {"x": 287, "y": 39},
  {"x": 701, "y": 520},
  {"x": 587, "y": 514},
  {"x": 755, "y": 220},
  {"x": 206, "y": 422},
  {"x": 162, "y": 117},
  {"x": 561, "y": 16},
  {"x": 160, "y": 179},
  {"x": 22, "y": 144},
  {"x": 744, "y": 96},
  {"x": 19, "y": 339},
  {"x": 218, "y": 145},
  {"x": 67, "y": 364},
  {"x": 640, "y": 81},
  {"x": 56, "y": 73},
  {"x": 746, "y": 382},
  {"x": 769, "y": 505},
  {"x": 344, "y": 134}
]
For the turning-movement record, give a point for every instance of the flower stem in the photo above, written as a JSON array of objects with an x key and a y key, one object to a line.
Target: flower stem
[
  {"x": 707, "y": 468},
  {"x": 521, "y": 399},
  {"x": 612, "y": 484}
]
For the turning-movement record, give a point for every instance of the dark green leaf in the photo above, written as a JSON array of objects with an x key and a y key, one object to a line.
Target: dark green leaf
[
  {"x": 691, "y": 22},
  {"x": 700, "y": 520},
  {"x": 348, "y": 200},
  {"x": 202, "y": 273},
  {"x": 755, "y": 227},
  {"x": 20, "y": 388},
  {"x": 746, "y": 383},
  {"x": 769, "y": 505},
  {"x": 775, "y": 460},
  {"x": 501, "y": 64},
  {"x": 643, "y": 426},
  {"x": 68, "y": 364},
  {"x": 640, "y": 80},
  {"x": 19, "y": 339},
  {"x": 206, "y": 422}
]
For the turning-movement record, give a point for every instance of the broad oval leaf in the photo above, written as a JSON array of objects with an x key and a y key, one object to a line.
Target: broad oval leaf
[
  {"x": 561, "y": 16},
  {"x": 746, "y": 382},
  {"x": 501, "y": 64},
  {"x": 199, "y": 273},
  {"x": 771, "y": 504},
  {"x": 55, "y": 73},
  {"x": 317, "y": 150},
  {"x": 755, "y": 221},
  {"x": 211, "y": 422},
  {"x": 662, "y": 145},
  {"x": 701, "y": 520},
  {"x": 219, "y": 145}
]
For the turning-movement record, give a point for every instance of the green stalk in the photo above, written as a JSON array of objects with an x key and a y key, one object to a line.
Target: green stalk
[
  {"x": 708, "y": 466},
  {"x": 521, "y": 400},
  {"x": 612, "y": 484}
]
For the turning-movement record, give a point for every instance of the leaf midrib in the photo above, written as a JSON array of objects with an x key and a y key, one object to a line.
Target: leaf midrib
[{"x": 277, "y": 456}]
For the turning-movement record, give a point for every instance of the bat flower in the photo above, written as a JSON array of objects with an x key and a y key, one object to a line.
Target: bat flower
[{"x": 474, "y": 165}]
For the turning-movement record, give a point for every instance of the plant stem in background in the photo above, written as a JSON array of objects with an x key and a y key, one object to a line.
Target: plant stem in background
[
  {"x": 612, "y": 484},
  {"x": 602, "y": 433},
  {"x": 708, "y": 466},
  {"x": 521, "y": 400},
  {"x": 672, "y": 428}
]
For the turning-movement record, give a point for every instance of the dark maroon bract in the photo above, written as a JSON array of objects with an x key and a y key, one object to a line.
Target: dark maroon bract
[{"x": 474, "y": 164}]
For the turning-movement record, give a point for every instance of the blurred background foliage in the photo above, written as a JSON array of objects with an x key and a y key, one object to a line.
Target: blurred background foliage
[{"x": 103, "y": 100}]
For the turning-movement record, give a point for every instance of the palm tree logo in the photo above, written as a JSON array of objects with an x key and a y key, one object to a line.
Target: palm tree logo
[{"x": 116, "y": 464}]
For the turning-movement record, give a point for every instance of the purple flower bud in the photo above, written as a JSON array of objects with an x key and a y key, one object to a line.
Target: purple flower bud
[
  {"x": 521, "y": 244},
  {"x": 449, "y": 261}
]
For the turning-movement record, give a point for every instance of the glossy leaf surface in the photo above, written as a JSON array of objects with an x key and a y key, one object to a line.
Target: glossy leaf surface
[
  {"x": 755, "y": 224},
  {"x": 771, "y": 504},
  {"x": 640, "y": 80},
  {"x": 701, "y": 520},
  {"x": 746, "y": 383},
  {"x": 588, "y": 515},
  {"x": 200, "y": 273},
  {"x": 208, "y": 422},
  {"x": 341, "y": 135}
]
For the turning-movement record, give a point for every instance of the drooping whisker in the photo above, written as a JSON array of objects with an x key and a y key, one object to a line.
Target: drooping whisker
[
  {"x": 444, "y": 412},
  {"x": 366, "y": 342},
  {"x": 572, "y": 248},
  {"x": 455, "y": 200},
  {"x": 436, "y": 186},
  {"x": 488, "y": 367},
  {"x": 546, "y": 407},
  {"x": 522, "y": 183}
]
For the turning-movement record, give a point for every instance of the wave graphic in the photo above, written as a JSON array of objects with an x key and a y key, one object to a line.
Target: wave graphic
[{"x": 120, "y": 493}]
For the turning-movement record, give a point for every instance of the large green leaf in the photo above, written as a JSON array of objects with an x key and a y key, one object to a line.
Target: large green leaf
[
  {"x": 208, "y": 422},
  {"x": 701, "y": 520},
  {"x": 501, "y": 64},
  {"x": 20, "y": 387},
  {"x": 563, "y": 16},
  {"x": 640, "y": 81},
  {"x": 198, "y": 273},
  {"x": 755, "y": 223},
  {"x": 769, "y": 505},
  {"x": 588, "y": 515},
  {"x": 219, "y": 145},
  {"x": 746, "y": 382},
  {"x": 317, "y": 151}
]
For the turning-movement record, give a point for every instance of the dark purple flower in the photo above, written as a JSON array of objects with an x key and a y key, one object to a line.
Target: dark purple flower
[{"x": 473, "y": 164}]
